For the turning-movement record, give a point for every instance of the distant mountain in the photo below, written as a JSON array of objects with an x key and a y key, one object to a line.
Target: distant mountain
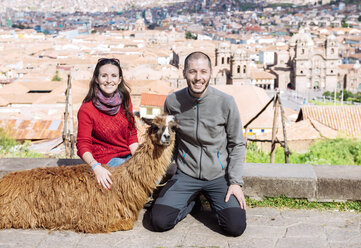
[{"x": 81, "y": 5}]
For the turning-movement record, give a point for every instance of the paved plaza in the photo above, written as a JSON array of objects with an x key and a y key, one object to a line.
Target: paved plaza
[{"x": 267, "y": 227}]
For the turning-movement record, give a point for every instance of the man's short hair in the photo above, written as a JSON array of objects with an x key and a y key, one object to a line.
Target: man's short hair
[{"x": 197, "y": 55}]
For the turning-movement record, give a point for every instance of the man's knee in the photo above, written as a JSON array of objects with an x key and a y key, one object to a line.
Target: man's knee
[
  {"x": 233, "y": 221},
  {"x": 163, "y": 217}
]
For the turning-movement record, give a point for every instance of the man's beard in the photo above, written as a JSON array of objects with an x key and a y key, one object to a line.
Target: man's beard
[{"x": 198, "y": 93}]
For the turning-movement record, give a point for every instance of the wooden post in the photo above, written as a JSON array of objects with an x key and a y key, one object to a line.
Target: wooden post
[
  {"x": 284, "y": 130},
  {"x": 274, "y": 129},
  {"x": 68, "y": 131}
]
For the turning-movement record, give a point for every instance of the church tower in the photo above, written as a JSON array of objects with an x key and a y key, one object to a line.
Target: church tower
[
  {"x": 331, "y": 57},
  {"x": 302, "y": 44},
  {"x": 240, "y": 71},
  {"x": 223, "y": 56}
]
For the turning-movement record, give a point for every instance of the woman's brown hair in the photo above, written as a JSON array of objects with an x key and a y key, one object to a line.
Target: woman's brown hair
[{"x": 123, "y": 88}]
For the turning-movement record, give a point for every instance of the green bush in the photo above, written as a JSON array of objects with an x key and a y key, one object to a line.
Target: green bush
[
  {"x": 338, "y": 151},
  {"x": 6, "y": 143},
  {"x": 10, "y": 148}
]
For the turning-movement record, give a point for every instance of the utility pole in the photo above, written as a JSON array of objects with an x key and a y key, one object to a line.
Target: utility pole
[
  {"x": 68, "y": 132},
  {"x": 274, "y": 128},
  {"x": 284, "y": 130},
  {"x": 341, "y": 94}
]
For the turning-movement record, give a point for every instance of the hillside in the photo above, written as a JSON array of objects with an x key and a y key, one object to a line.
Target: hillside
[{"x": 80, "y": 5}]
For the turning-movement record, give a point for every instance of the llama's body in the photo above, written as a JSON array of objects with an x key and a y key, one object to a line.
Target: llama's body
[{"x": 69, "y": 197}]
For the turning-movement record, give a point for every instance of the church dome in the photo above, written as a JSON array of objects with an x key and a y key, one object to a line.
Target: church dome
[
  {"x": 356, "y": 65},
  {"x": 224, "y": 46},
  {"x": 331, "y": 37},
  {"x": 301, "y": 37}
]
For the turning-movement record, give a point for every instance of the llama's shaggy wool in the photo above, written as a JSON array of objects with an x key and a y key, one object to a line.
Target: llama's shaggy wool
[{"x": 69, "y": 197}]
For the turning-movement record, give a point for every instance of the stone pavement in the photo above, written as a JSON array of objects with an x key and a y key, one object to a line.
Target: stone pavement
[{"x": 267, "y": 227}]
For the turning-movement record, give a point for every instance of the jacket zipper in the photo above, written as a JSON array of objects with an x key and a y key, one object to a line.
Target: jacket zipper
[
  {"x": 184, "y": 156},
  {"x": 219, "y": 159},
  {"x": 200, "y": 158}
]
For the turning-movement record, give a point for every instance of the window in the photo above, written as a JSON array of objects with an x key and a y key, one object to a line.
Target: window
[
  {"x": 332, "y": 50},
  {"x": 39, "y": 91},
  {"x": 149, "y": 111},
  {"x": 227, "y": 60},
  {"x": 239, "y": 69},
  {"x": 244, "y": 69},
  {"x": 316, "y": 85},
  {"x": 222, "y": 60}
]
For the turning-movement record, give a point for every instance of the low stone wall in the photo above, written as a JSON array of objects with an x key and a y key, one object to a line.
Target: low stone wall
[{"x": 321, "y": 183}]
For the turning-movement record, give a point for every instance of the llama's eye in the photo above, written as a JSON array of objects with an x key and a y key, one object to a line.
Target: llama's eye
[
  {"x": 173, "y": 128},
  {"x": 154, "y": 127}
]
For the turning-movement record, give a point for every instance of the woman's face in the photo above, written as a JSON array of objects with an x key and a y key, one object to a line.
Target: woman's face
[{"x": 108, "y": 79}]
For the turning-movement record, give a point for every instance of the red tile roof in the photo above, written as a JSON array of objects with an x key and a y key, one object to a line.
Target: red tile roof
[
  {"x": 32, "y": 129},
  {"x": 303, "y": 130},
  {"x": 156, "y": 100},
  {"x": 341, "y": 118}
]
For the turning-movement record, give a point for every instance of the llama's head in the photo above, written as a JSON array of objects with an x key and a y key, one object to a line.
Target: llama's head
[{"x": 162, "y": 129}]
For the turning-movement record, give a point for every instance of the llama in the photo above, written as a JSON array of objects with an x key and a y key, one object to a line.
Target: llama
[{"x": 69, "y": 197}]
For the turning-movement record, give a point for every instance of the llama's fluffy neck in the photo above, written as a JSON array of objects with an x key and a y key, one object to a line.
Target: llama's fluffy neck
[{"x": 149, "y": 163}]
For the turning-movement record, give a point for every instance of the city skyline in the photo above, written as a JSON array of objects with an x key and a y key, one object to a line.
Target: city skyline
[{"x": 303, "y": 52}]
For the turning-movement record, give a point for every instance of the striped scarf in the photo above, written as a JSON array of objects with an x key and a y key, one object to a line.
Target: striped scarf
[{"x": 108, "y": 105}]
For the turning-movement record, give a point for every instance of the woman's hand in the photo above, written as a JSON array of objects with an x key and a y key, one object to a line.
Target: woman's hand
[{"x": 103, "y": 176}]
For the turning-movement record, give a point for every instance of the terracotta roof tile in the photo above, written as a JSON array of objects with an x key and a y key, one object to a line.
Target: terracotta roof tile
[
  {"x": 32, "y": 129},
  {"x": 341, "y": 118},
  {"x": 24, "y": 124},
  {"x": 258, "y": 74},
  {"x": 147, "y": 99},
  {"x": 250, "y": 100},
  {"x": 303, "y": 130}
]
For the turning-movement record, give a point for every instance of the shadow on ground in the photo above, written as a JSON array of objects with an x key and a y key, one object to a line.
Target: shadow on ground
[{"x": 206, "y": 216}]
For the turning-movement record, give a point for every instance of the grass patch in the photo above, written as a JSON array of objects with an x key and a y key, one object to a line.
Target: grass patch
[
  {"x": 285, "y": 202},
  {"x": 327, "y": 103},
  {"x": 338, "y": 151}
]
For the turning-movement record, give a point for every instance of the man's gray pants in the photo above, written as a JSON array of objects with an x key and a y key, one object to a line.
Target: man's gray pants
[{"x": 177, "y": 199}]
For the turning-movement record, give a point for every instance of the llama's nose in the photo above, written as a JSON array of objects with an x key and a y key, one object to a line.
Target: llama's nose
[{"x": 166, "y": 136}]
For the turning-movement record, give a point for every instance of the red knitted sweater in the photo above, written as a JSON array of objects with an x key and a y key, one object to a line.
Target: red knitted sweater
[{"x": 104, "y": 136}]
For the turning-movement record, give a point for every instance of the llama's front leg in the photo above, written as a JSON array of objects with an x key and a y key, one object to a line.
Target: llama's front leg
[
  {"x": 121, "y": 225},
  {"x": 116, "y": 225}
]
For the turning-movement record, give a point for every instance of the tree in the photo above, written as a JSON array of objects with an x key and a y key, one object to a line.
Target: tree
[
  {"x": 327, "y": 93},
  {"x": 56, "y": 77},
  {"x": 190, "y": 36}
]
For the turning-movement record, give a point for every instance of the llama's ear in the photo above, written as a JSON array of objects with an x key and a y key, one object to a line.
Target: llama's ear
[{"x": 147, "y": 121}]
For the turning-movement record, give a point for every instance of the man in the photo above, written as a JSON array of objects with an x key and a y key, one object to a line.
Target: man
[{"x": 209, "y": 152}]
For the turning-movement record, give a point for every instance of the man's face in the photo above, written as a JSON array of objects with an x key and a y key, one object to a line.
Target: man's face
[{"x": 197, "y": 74}]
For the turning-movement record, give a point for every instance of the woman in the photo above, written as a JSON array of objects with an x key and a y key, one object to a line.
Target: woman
[{"x": 106, "y": 125}]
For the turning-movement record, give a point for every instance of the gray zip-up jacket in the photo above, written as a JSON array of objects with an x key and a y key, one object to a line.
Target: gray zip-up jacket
[{"x": 210, "y": 141}]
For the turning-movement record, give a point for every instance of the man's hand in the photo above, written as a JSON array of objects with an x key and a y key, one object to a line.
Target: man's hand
[
  {"x": 236, "y": 190},
  {"x": 103, "y": 176}
]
